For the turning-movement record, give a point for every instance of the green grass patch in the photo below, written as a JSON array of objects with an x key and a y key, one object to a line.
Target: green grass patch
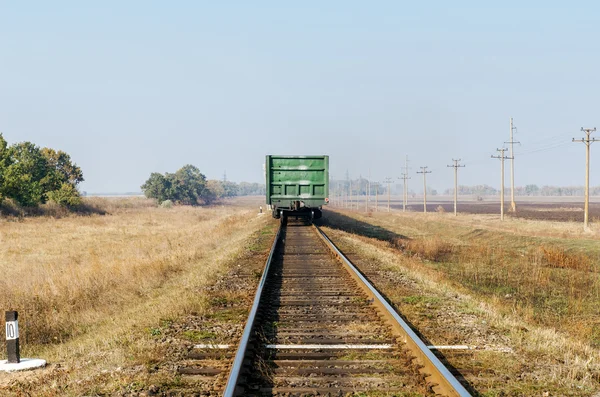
[
  {"x": 229, "y": 315},
  {"x": 199, "y": 335},
  {"x": 421, "y": 300}
]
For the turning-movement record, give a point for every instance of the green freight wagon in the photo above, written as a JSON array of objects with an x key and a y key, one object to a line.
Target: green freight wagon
[{"x": 297, "y": 185}]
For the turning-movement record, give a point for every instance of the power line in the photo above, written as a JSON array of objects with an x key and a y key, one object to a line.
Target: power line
[
  {"x": 554, "y": 138},
  {"x": 544, "y": 148},
  {"x": 546, "y": 144}
]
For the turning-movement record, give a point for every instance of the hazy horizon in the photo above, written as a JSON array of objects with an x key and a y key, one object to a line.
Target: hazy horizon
[{"x": 133, "y": 88}]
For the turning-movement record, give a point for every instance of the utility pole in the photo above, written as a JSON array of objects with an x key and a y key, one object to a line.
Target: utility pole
[
  {"x": 347, "y": 192},
  {"x": 456, "y": 166},
  {"x": 336, "y": 194},
  {"x": 405, "y": 177},
  {"x": 376, "y": 196},
  {"x": 513, "y": 205},
  {"x": 502, "y": 157},
  {"x": 350, "y": 193},
  {"x": 347, "y": 189},
  {"x": 367, "y": 187},
  {"x": 368, "y": 190},
  {"x": 358, "y": 194},
  {"x": 359, "y": 190},
  {"x": 588, "y": 142},
  {"x": 333, "y": 191},
  {"x": 389, "y": 182},
  {"x": 346, "y": 196},
  {"x": 424, "y": 172}
]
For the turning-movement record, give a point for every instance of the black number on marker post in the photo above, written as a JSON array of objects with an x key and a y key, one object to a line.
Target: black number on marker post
[{"x": 10, "y": 331}]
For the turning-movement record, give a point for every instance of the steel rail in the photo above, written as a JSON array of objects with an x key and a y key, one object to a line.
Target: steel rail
[
  {"x": 446, "y": 383},
  {"x": 232, "y": 381}
]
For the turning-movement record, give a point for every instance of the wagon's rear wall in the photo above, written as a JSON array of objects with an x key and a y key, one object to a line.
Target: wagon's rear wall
[{"x": 297, "y": 178}]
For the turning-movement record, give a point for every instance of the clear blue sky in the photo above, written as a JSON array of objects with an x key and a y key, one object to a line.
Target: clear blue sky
[{"x": 132, "y": 87}]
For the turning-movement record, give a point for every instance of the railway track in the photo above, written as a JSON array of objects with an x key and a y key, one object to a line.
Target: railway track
[{"x": 317, "y": 327}]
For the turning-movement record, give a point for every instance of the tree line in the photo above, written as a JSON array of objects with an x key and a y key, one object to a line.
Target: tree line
[
  {"x": 30, "y": 175},
  {"x": 189, "y": 186}
]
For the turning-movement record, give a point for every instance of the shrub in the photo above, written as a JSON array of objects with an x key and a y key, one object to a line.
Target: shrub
[
  {"x": 66, "y": 196},
  {"x": 559, "y": 258},
  {"x": 167, "y": 204},
  {"x": 431, "y": 248}
]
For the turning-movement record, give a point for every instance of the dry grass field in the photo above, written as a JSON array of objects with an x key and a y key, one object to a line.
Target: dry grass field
[
  {"x": 88, "y": 288},
  {"x": 100, "y": 295},
  {"x": 537, "y": 280}
]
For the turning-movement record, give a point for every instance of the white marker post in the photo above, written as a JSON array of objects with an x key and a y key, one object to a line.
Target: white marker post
[{"x": 12, "y": 337}]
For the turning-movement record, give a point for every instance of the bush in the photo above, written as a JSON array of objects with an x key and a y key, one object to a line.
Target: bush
[
  {"x": 66, "y": 196},
  {"x": 430, "y": 248},
  {"x": 167, "y": 204},
  {"x": 559, "y": 258}
]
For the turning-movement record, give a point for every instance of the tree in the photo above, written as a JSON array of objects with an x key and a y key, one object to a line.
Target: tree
[
  {"x": 531, "y": 190},
  {"x": 4, "y": 162},
  {"x": 62, "y": 178},
  {"x": 157, "y": 187},
  {"x": 60, "y": 170},
  {"x": 189, "y": 185},
  {"x": 24, "y": 174},
  {"x": 230, "y": 188},
  {"x": 28, "y": 174},
  {"x": 186, "y": 186},
  {"x": 215, "y": 190},
  {"x": 250, "y": 189}
]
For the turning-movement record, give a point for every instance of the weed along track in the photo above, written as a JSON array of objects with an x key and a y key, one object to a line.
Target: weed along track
[{"x": 317, "y": 327}]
